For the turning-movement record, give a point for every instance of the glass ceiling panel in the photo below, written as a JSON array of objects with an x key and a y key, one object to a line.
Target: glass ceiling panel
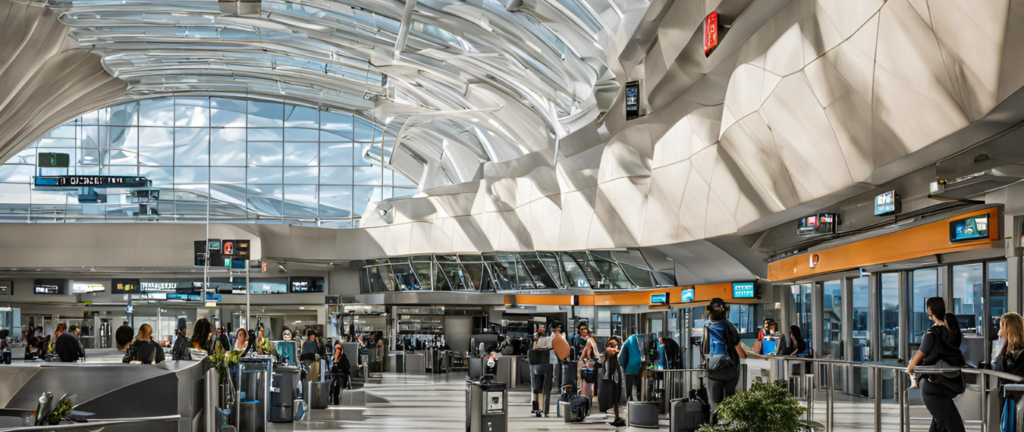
[{"x": 192, "y": 150}]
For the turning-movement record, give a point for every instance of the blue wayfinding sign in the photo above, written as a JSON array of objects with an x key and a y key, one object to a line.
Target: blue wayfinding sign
[
  {"x": 659, "y": 298},
  {"x": 743, "y": 290}
]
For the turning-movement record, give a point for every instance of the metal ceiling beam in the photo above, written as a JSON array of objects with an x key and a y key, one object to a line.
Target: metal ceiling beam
[{"x": 403, "y": 31}]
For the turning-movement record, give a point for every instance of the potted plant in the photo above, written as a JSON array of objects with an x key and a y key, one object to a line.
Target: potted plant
[{"x": 765, "y": 407}]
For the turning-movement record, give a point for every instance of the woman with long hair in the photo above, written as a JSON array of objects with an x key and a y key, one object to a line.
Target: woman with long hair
[
  {"x": 1011, "y": 357},
  {"x": 797, "y": 344},
  {"x": 201, "y": 332},
  {"x": 242, "y": 342},
  {"x": 940, "y": 345},
  {"x": 588, "y": 360},
  {"x": 145, "y": 350}
]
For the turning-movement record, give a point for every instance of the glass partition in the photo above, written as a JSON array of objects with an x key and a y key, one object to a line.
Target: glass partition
[
  {"x": 832, "y": 320},
  {"x": 801, "y": 298},
  {"x": 967, "y": 298},
  {"x": 923, "y": 284},
  {"x": 861, "y": 335},
  {"x": 889, "y": 291}
]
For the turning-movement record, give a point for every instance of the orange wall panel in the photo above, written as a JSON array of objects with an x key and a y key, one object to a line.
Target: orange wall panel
[{"x": 916, "y": 242}]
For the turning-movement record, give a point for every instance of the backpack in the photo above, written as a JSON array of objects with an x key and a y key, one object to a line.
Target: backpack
[{"x": 720, "y": 365}]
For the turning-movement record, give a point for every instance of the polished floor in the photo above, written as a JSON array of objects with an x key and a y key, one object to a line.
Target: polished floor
[{"x": 416, "y": 402}]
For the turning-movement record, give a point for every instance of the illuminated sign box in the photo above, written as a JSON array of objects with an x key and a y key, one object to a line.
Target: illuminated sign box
[
  {"x": 968, "y": 229},
  {"x": 49, "y": 286},
  {"x": 887, "y": 203},
  {"x": 744, "y": 290},
  {"x": 126, "y": 286},
  {"x": 659, "y": 299},
  {"x": 688, "y": 295},
  {"x": 710, "y": 33}
]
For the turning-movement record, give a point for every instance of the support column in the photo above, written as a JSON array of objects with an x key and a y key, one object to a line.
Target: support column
[{"x": 1013, "y": 233}]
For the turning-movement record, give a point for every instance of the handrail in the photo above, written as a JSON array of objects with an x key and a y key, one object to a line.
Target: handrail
[
  {"x": 95, "y": 424},
  {"x": 984, "y": 375}
]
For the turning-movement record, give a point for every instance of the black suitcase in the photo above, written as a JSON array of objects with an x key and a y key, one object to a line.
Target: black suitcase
[
  {"x": 576, "y": 410},
  {"x": 687, "y": 415}
]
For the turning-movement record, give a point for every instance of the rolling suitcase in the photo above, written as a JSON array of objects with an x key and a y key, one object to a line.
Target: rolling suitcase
[
  {"x": 687, "y": 415},
  {"x": 576, "y": 409}
]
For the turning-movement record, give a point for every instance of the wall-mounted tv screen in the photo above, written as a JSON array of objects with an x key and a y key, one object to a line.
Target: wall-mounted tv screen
[
  {"x": 968, "y": 229},
  {"x": 79, "y": 287},
  {"x": 744, "y": 290},
  {"x": 302, "y": 285},
  {"x": 49, "y": 286}
]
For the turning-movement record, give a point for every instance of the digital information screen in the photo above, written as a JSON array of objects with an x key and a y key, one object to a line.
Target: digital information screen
[
  {"x": 632, "y": 100},
  {"x": 968, "y": 229},
  {"x": 49, "y": 286},
  {"x": 821, "y": 223},
  {"x": 886, "y": 203},
  {"x": 6, "y": 287},
  {"x": 302, "y": 285},
  {"x": 125, "y": 286},
  {"x": 743, "y": 290},
  {"x": 688, "y": 295},
  {"x": 89, "y": 181},
  {"x": 659, "y": 299}
]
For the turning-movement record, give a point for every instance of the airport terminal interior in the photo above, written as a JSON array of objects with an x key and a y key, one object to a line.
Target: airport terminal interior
[{"x": 511, "y": 215}]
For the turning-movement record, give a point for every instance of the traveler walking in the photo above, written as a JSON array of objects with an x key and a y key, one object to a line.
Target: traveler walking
[
  {"x": 940, "y": 346},
  {"x": 721, "y": 358}
]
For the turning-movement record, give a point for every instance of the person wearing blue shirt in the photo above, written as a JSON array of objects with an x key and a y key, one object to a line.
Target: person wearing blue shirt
[{"x": 632, "y": 360}]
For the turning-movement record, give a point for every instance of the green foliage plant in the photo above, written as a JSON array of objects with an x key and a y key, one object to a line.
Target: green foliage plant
[{"x": 765, "y": 407}]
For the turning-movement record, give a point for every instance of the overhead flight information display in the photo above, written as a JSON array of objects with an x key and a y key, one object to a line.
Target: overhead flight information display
[
  {"x": 968, "y": 229},
  {"x": 632, "y": 100},
  {"x": 73, "y": 181}
]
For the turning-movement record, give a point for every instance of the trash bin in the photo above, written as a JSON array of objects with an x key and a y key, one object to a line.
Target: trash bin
[
  {"x": 319, "y": 394},
  {"x": 486, "y": 406},
  {"x": 252, "y": 417}
]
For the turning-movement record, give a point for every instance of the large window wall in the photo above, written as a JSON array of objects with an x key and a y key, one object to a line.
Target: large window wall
[
  {"x": 274, "y": 162},
  {"x": 620, "y": 269}
]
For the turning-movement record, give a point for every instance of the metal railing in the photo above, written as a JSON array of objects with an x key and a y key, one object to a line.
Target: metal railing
[
  {"x": 96, "y": 425},
  {"x": 981, "y": 383}
]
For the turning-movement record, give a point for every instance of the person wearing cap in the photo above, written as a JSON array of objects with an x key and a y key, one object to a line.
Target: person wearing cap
[
  {"x": 179, "y": 351},
  {"x": 722, "y": 359}
]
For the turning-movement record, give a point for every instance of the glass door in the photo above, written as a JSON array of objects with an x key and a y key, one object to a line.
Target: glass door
[
  {"x": 861, "y": 334},
  {"x": 889, "y": 312},
  {"x": 832, "y": 320},
  {"x": 968, "y": 306},
  {"x": 923, "y": 284},
  {"x": 997, "y": 305}
]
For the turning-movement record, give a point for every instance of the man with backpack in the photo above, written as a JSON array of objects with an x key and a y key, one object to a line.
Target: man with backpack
[{"x": 721, "y": 357}]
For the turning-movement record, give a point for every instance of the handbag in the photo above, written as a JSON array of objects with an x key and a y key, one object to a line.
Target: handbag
[
  {"x": 131, "y": 355},
  {"x": 953, "y": 380}
]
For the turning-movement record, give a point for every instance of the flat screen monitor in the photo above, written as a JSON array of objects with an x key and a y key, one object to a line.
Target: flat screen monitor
[
  {"x": 968, "y": 229},
  {"x": 688, "y": 295},
  {"x": 302, "y": 285},
  {"x": 632, "y": 100},
  {"x": 261, "y": 287},
  {"x": 659, "y": 299},
  {"x": 886, "y": 203},
  {"x": 126, "y": 286},
  {"x": 743, "y": 290},
  {"x": 49, "y": 286}
]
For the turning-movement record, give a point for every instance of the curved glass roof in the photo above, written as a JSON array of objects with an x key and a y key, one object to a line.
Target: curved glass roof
[
  {"x": 447, "y": 78},
  {"x": 249, "y": 160}
]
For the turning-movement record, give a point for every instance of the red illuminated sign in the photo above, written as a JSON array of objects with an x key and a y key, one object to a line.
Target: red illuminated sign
[
  {"x": 229, "y": 248},
  {"x": 710, "y": 33}
]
